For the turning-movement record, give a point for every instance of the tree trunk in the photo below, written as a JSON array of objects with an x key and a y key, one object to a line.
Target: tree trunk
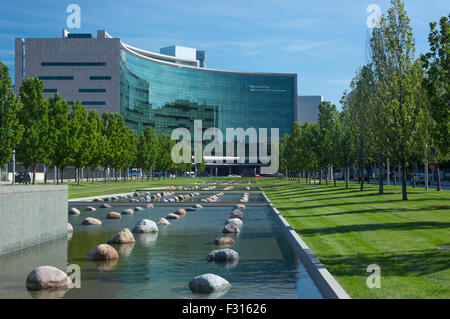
[
  {"x": 368, "y": 174},
  {"x": 361, "y": 176},
  {"x": 404, "y": 191},
  {"x": 34, "y": 174},
  {"x": 380, "y": 174},
  {"x": 438, "y": 186},
  {"x": 57, "y": 176}
]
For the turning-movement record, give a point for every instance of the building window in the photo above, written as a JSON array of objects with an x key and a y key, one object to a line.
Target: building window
[
  {"x": 47, "y": 77},
  {"x": 92, "y": 90},
  {"x": 50, "y": 90},
  {"x": 79, "y": 36},
  {"x": 73, "y": 63},
  {"x": 89, "y": 102},
  {"x": 100, "y": 77}
]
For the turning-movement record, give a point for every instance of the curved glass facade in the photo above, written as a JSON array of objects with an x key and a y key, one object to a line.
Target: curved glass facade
[{"x": 166, "y": 96}]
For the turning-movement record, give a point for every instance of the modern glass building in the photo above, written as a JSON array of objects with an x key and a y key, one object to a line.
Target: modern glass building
[
  {"x": 167, "y": 95},
  {"x": 153, "y": 89}
]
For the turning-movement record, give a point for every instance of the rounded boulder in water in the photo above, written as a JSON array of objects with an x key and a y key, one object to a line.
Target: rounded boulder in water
[
  {"x": 208, "y": 283},
  {"x": 223, "y": 255},
  {"x": 47, "y": 277},
  {"x": 145, "y": 226},
  {"x": 74, "y": 211}
]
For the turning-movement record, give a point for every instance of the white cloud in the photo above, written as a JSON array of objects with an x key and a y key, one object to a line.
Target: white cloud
[{"x": 302, "y": 46}]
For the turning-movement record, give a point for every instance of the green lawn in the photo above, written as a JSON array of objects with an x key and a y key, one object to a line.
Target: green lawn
[{"x": 349, "y": 230}]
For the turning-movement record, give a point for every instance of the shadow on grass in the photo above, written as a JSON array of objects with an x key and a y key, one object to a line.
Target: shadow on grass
[
  {"x": 372, "y": 227},
  {"x": 413, "y": 263},
  {"x": 368, "y": 211},
  {"x": 374, "y": 195},
  {"x": 368, "y": 203}
]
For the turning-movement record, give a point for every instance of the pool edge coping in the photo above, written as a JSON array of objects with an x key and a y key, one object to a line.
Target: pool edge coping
[{"x": 325, "y": 282}]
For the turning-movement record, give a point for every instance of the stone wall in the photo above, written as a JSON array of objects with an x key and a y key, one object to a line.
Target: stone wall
[{"x": 30, "y": 215}]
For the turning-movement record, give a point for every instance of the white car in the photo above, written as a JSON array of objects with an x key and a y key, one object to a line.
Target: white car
[{"x": 234, "y": 175}]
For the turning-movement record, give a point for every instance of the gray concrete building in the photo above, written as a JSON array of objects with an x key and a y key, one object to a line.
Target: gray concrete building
[
  {"x": 308, "y": 108},
  {"x": 77, "y": 66}
]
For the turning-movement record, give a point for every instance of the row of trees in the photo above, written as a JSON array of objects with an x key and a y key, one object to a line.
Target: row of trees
[
  {"x": 51, "y": 132},
  {"x": 397, "y": 110}
]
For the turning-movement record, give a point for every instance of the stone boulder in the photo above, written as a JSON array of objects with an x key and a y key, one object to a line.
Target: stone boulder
[
  {"x": 113, "y": 215},
  {"x": 69, "y": 228},
  {"x": 90, "y": 209},
  {"x": 47, "y": 277},
  {"x": 190, "y": 209},
  {"x": 223, "y": 255},
  {"x": 138, "y": 209},
  {"x": 236, "y": 214},
  {"x": 197, "y": 206},
  {"x": 230, "y": 229},
  {"x": 149, "y": 206},
  {"x": 237, "y": 221},
  {"x": 180, "y": 212},
  {"x": 145, "y": 226},
  {"x": 173, "y": 216},
  {"x": 208, "y": 283},
  {"x": 91, "y": 221},
  {"x": 103, "y": 252},
  {"x": 164, "y": 222},
  {"x": 224, "y": 241},
  {"x": 128, "y": 211},
  {"x": 104, "y": 205},
  {"x": 99, "y": 200},
  {"x": 122, "y": 237},
  {"x": 74, "y": 211}
]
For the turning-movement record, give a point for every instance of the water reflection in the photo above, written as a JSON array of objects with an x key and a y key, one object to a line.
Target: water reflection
[
  {"x": 146, "y": 239},
  {"x": 214, "y": 295},
  {"x": 106, "y": 265},
  {"x": 49, "y": 293},
  {"x": 226, "y": 265},
  {"x": 124, "y": 249}
]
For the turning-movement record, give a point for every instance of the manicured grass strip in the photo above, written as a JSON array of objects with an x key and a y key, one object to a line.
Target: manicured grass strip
[{"x": 349, "y": 230}]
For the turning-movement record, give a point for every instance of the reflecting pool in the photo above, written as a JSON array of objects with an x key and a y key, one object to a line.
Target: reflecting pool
[{"x": 161, "y": 265}]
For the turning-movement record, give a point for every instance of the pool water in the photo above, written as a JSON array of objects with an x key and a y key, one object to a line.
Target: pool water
[{"x": 161, "y": 265}]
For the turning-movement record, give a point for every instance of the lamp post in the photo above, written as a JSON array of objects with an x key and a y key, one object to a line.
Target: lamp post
[{"x": 14, "y": 168}]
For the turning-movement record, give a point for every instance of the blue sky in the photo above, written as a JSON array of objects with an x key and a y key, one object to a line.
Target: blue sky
[{"x": 323, "y": 41}]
